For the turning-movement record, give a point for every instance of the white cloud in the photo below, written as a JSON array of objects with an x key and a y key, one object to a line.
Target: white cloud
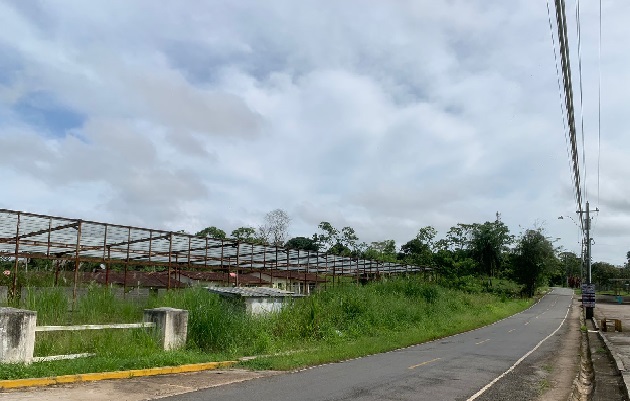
[{"x": 386, "y": 117}]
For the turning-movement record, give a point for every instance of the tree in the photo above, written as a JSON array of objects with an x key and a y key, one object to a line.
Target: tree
[
  {"x": 384, "y": 251},
  {"x": 275, "y": 230},
  {"x": 328, "y": 236},
  {"x": 487, "y": 243},
  {"x": 245, "y": 234},
  {"x": 306, "y": 244},
  {"x": 419, "y": 251},
  {"x": 533, "y": 256},
  {"x": 571, "y": 269},
  {"x": 211, "y": 232},
  {"x": 339, "y": 242},
  {"x": 602, "y": 272}
]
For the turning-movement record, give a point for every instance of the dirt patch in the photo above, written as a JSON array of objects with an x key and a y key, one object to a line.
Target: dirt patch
[{"x": 136, "y": 389}]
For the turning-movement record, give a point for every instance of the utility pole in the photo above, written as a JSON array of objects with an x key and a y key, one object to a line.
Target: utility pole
[{"x": 588, "y": 291}]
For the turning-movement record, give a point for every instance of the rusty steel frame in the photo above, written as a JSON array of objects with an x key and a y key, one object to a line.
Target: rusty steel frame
[{"x": 36, "y": 236}]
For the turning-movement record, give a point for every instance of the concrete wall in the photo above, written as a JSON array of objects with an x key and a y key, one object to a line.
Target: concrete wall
[
  {"x": 261, "y": 305},
  {"x": 138, "y": 295},
  {"x": 17, "y": 335},
  {"x": 171, "y": 325}
]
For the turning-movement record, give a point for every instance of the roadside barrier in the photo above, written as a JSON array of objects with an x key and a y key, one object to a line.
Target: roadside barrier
[
  {"x": 616, "y": 322},
  {"x": 18, "y": 328}
]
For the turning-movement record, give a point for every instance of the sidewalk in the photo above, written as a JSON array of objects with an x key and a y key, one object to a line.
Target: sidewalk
[{"x": 618, "y": 343}]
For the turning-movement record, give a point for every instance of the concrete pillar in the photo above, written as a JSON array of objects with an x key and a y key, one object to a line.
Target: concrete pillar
[
  {"x": 17, "y": 335},
  {"x": 171, "y": 325}
]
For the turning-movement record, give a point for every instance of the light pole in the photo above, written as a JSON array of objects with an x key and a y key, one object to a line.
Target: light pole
[{"x": 588, "y": 299}]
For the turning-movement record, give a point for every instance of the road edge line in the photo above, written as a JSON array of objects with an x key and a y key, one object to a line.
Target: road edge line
[
  {"x": 521, "y": 359},
  {"x": 124, "y": 374}
]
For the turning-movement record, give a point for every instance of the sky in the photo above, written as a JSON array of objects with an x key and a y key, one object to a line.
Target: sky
[{"x": 382, "y": 116}]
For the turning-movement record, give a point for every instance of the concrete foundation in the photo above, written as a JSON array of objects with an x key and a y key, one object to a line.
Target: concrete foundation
[
  {"x": 17, "y": 335},
  {"x": 171, "y": 325}
]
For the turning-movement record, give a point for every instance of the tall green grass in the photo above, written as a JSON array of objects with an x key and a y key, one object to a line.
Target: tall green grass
[{"x": 341, "y": 322}]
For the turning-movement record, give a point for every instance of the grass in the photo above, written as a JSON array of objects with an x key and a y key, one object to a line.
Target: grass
[{"x": 344, "y": 322}]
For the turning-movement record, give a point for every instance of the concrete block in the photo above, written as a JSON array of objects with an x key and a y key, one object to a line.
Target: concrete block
[
  {"x": 17, "y": 335},
  {"x": 171, "y": 325}
]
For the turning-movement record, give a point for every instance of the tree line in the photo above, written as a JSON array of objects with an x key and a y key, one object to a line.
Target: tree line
[{"x": 479, "y": 250}]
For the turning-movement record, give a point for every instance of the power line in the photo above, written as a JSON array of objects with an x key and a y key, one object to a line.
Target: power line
[
  {"x": 599, "y": 100},
  {"x": 579, "y": 40},
  {"x": 562, "y": 111},
  {"x": 568, "y": 97}
]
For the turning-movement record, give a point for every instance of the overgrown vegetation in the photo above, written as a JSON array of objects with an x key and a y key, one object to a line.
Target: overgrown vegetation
[{"x": 342, "y": 322}]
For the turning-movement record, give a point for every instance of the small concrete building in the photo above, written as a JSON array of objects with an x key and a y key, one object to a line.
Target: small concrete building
[
  {"x": 297, "y": 282},
  {"x": 256, "y": 300},
  {"x": 218, "y": 279}
]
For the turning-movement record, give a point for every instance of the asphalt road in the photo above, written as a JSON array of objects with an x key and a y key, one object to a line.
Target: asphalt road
[{"x": 460, "y": 367}]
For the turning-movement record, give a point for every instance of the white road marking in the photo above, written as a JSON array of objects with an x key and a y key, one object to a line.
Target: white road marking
[
  {"x": 481, "y": 342},
  {"x": 511, "y": 330},
  {"x": 521, "y": 359},
  {"x": 423, "y": 363}
]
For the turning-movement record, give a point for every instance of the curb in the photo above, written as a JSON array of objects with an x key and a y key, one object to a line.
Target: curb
[
  {"x": 125, "y": 374},
  {"x": 619, "y": 366}
]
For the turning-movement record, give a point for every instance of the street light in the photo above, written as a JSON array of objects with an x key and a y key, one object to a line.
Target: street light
[{"x": 574, "y": 222}]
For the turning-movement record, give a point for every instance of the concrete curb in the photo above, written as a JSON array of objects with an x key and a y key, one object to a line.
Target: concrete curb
[
  {"x": 619, "y": 366},
  {"x": 126, "y": 374},
  {"x": 583, "y": 384}
]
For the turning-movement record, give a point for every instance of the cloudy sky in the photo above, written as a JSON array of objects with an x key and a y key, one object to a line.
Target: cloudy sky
[{"x": 384, "y": 116}]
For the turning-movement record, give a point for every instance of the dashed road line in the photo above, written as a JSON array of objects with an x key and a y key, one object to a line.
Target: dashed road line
[{"x": 423, "y": 363}]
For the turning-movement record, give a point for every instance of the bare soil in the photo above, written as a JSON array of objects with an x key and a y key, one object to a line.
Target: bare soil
[{"x": 135, "y": 389}]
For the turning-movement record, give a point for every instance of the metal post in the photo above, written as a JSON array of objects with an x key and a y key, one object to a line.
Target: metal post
[
  {"x": 108, "y": 265},
  {"x": 170, "y": 252},
  {"x": 238, "y": 262},
  {"x": 205, "y": 261},
  {"x": 264, "y": 266},
  {"x": 189, "y": 241},
  {"x": 223, "y": 267},
  {"x": 150, "y": 244},
  {"x": 17, "y": 251},
  {"x": 76, "y": 263},
  {"x": 48, "y": 243},
  {"x": 288, "y": 276},
  {"x": 271, "y": 275},
  {"x": 589, "y": 309},
  {"x": 126, "y": 262}
]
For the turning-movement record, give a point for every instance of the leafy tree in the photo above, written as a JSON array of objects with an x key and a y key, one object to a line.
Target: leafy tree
[
  {"x": 532, "y": 258},
  {"x": 602, "y": 272},
  {"x": 384, "y": 251},
  {"x": 245, "y": 234},
  {"x": 303, "y": 243},
  {"x": 327, "y": 237},
  {"x": 487, "y": 243},
  {"x": 570, "y": 269},
  {"x": 349, "y": 238},
  {"x": 275, "y": 230},
  {"x": 419, "y": 251},
  {"x": 340, "y": 242},
  {"x": 211, "y": 232}
]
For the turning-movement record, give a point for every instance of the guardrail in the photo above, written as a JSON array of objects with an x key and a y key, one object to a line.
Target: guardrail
[
  {"x": 18, "y": 328},
  {"x": 143, "y": 325}
]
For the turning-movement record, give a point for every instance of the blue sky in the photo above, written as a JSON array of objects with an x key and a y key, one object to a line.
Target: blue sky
[{"x": 384, "y": 116}]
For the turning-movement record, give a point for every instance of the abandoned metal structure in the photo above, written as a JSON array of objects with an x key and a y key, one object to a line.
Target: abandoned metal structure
[{"x": 71, "y": 242}]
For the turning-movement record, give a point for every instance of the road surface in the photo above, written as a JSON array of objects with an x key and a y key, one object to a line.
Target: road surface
[{"x": 461, "y": 367}]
